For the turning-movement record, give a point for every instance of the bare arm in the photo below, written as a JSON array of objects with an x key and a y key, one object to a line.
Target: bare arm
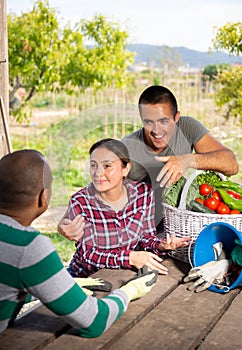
[{"x": 210, "y": 155}]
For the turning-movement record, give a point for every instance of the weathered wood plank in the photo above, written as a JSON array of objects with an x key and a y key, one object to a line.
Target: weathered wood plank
[
  {"x": 33, "y": 331},
  {"x": 180, "y": 321},
  {"x": 227, "y": 333},
  {"x": 41, "y": 327},
  {"x": 136, "y": 311}
]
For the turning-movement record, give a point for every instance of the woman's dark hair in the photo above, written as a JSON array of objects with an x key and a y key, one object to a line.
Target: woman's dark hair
[
  {"x": 115, "y": 146},
  {"x": 158, "y": 94}
]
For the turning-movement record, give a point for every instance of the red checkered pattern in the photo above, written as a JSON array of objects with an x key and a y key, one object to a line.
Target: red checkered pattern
[{"x": 109, "y": 236}]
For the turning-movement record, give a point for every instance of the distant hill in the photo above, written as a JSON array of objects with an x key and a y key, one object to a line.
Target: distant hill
[{"x": 158, "y": 55}]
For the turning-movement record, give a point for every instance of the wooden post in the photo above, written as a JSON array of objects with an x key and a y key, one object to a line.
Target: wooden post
[
  {"x": 4, "y": 80},
  {"x": 5, "y": 127}
]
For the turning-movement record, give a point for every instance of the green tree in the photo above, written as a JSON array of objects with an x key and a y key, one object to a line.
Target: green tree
[
  {"x": 211, "y": 71},
  {"x": 104, "y": 62},
  {"x": 210, "y": 74},
  {"x": 45, "y": 56},
  {"x": 36, "y": 51},
  {"x": 229, "y": 92},
  {"x": 229, "y": 38},
  {"x": 228, "y": 95}
]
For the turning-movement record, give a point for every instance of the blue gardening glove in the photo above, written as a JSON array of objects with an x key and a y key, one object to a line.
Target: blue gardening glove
[
  {"x": 205, "y": 275},
  {"x": 141, "y": 284},
  {"x": 96, "y": 284}
]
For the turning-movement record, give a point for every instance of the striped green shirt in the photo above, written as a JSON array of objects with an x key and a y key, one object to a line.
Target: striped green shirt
[{"x": 29, "y": 264}]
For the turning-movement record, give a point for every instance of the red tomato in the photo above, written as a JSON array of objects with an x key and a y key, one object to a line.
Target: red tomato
[
  {"x": 234, "y": 211},
  {"x": 223, "y": 209},
  {"x": 234, "y": 194},
  {"x": 217, "y": 195},
  {"x": 199, "y": 200},
  {"x": 205, "y": 189},
  {"x": 211, "y": 203}
]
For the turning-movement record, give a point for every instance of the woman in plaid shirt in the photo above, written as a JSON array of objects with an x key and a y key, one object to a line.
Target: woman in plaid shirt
[{"x": 119, "y": 229}]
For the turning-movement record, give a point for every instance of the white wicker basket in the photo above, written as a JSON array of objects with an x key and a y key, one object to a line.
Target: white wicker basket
[{"x": 182, "y": 222}]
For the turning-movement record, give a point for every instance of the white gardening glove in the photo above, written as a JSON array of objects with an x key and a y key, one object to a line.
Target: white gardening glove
[
  {"x": 141, "y": 284},
  {"x": 96, "y": 284},
  {"x": 207, "y": 274},
  {"x": 219, "y": 251}
]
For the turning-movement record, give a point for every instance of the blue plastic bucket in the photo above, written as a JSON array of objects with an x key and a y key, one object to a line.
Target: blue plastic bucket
[{"x": 203, "y": 249}]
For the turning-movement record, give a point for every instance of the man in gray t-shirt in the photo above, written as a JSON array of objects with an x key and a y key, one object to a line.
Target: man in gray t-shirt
[{"x": 169, "y": 144}]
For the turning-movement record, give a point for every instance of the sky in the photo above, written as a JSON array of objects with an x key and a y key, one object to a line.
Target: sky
[{"x": 188, "y": 23}]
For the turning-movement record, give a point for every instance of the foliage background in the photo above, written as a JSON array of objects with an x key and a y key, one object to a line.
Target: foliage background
[{"x": 78, "y": 93}]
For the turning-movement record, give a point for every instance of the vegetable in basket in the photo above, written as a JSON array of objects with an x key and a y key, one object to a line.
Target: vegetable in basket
[
  {"x": 234, "y": 194},
  {"x": 211, "y": 203},
  {"x": 205, "y": 189},
  {"x": 198, "y": 207},
  {"x": 231, "y": 202},
  {"x": 208, "y": 178},
  {"x": 172, "y": 194},
  {"x": 222, "y": 197},
  {"x": 229, "y": 186}
]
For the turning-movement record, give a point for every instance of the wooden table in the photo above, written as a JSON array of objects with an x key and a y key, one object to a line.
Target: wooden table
[{"x": 169, "y": 317}]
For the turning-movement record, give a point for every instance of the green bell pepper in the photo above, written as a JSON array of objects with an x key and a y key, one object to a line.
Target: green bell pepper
[
  {"x": 231, "y": 202},
  {"x": 229, "y": 185}
]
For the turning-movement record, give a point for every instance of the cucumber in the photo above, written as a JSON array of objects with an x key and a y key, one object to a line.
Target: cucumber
[{"x": 195, "y": 206}]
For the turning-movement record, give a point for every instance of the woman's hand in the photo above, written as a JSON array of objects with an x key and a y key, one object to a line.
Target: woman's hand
[
  {"x": 71, "y": 229},
  {"x": 152, "y": 261},
  {"x": 173, "y": 242}
]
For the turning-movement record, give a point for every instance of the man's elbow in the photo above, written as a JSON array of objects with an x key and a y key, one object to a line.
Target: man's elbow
[
  {"x": 90, "y": 332},
  {"x": 233, "y": 165},
  {"x": 236, "y": 168}
]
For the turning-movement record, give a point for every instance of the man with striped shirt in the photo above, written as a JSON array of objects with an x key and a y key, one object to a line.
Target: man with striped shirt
[{"x": 29, "y": 263}]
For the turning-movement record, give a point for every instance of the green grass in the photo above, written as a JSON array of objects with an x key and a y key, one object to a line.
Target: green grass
[
  {"x": 66, "y": 145},
  {"x": 64, "y": 247}
]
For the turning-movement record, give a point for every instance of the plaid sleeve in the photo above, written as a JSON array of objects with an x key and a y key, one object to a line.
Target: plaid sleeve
[
  {"x": 149, "y": 240},
  {"x": 92, "y": 259},
  {"x": 74, "y": 208}
]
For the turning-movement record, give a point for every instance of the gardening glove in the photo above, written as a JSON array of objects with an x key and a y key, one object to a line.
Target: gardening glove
[
  {"x": 88, "y": 292},
  {"x": 207, "y": 274},
  {"x": 96, "y": 284},
  {"x": 141, "y": 284},
  {"x": 219, "y": 252}
]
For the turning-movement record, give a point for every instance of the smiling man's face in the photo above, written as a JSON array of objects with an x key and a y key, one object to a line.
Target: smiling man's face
[{"x": 159, "y": 125}]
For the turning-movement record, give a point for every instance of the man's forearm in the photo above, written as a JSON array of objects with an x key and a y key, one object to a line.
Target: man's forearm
[{"x": 223, "y": 161}]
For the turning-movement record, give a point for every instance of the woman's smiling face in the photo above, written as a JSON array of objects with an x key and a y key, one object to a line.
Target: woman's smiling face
[
  {"x": 159, "y": 125},
  {"x": 106, "y": 170}
]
